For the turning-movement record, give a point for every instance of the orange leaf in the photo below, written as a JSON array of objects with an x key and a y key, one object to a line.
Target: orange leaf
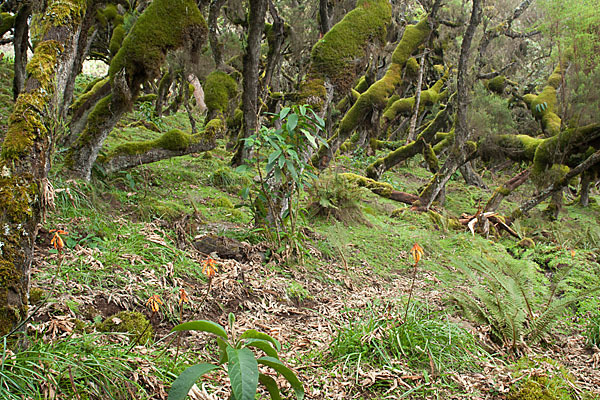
[{"x": 154, "y": 302}]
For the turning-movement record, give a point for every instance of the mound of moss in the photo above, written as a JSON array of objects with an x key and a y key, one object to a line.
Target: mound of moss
[{"x": 132, "y": 322}]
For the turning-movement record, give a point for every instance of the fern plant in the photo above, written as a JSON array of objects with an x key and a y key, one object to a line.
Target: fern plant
[{"x": 502, "y": 296}]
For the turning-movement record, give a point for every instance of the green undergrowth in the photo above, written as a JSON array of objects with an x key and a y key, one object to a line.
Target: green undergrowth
[{"x": 427, "y": 342}]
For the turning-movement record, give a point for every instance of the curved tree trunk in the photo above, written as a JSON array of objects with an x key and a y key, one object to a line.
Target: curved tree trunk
[{"x": 25, "y": 157}]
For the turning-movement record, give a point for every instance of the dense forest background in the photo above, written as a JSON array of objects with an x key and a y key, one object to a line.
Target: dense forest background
[{"x": 395, "y": 198}]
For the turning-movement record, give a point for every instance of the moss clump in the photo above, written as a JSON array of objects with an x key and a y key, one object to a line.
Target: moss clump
[
  {"x": 554, "y": 383},
  {"x": 165, "y": 25},
  {"x": 147, "y": 98},
  {"x": 7, "y": 21},
  {"x": 219, "y": 88},
  {"x": 526, "y": 243},
  {"x": 128, "y": 321},
  {"x": 335, "y": 56},
  {"x": 116, "y": 40},
  {"x": 497, "y": 84},
  {"x": 35, "y": 295},
  {"x": 313, "y": 92},
  {"x": 221, "y": 202},
  {"x": 174, "y": 140},
  {"x": 214, "y": 128}
]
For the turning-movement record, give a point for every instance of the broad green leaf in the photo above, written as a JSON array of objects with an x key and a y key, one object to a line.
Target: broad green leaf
[
  {"x": 302, "y": 110},
  {"x": 271, "y": 386},
  {"x": 222, "y": 350},
  {"x": 243, "y": 373},
  {"x": 202, "y": 326},
  {"x": 263, "y": 345},
  {"x": 286, "y": 372},
  {"x": 310, "y": 137},
  {"x": 284, "y": 112},
  {"x": 242, "y": 168},
  {"x": 292, "y": 122},
  {"x": 273, "y": 156},
  {"x": 292, "y": 170},
  {"x": 186, "y": 380},
  {"x": 245, "y": 193}
]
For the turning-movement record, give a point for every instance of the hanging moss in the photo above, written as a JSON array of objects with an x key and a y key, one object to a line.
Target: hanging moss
[
  {"x": 219, "y": 89},
  {"x": 165, "y": 25},
  {"x": 334, "y": 56}
]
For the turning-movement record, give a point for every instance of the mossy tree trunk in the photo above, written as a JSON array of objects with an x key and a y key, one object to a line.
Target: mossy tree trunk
[
  {"x": 461, "y": 151},
  {"x": 256, "y": 20},
  {"x": 25, "y": 157},
  {"x": 164, "y": 26},
  {"x": 376, "y": 96}
]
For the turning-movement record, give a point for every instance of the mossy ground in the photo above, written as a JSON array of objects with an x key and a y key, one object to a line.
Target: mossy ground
[{"x": 126, "y": 242}]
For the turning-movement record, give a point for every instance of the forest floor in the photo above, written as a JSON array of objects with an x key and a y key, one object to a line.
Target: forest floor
[{"x": 342, "y": 313}]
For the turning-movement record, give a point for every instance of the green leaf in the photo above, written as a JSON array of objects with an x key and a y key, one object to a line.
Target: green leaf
[
  {"x": 273, "y": 156},
  {"x": 262, "y": 345},
  {"x": 186, "y": 380},
  {"x": 243, "y": 373},
  {"x": 286, "y": 372},
  {"x": 302, "y": 110},
  {"x": 222, "y": 350},
  {"x": 292, "y": 122},
  {"x": 231, "y": 319},
  {"x": 245, "y": 193},
  {"x": 284, "y": 112},
  {"x": 271, "y": 386},
  {"x": 242, "y": 169},
  {"x": 202, "y": 326},
  {"x": 292, "y": 169}
]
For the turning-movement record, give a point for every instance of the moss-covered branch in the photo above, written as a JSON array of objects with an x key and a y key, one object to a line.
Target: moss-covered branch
[
  {"x": 376, "y": 97},
  {"x": 164, "y": 26},
  {"x": 380, "y": 188},
  {"x": 171, "y": 144},
  {"x": 377, "y": 168},
  {"x": 543, "y": 105}
]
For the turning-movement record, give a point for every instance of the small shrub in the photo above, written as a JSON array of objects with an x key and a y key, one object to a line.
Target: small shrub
[
  {"x": 225, "y": 178},
  {"x": 333, "y": 196},
  {"x": 242, "y": 363}
]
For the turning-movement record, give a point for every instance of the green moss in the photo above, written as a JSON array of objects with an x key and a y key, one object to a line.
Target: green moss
[
  {"x": 219, "y": 89},
  {"x": 221, "y": 202},
  {"x": 128, "y": 321},
  {"x": 165, "y": 25},
  {"x": 116, "y": 40},
  {"x": 412, "y": 68},
  {"x": 146, "y": 98},
  {"x": 313, "y": 92},
  {"x": 334, "y": 56},
  {"x": 555, "y": 383},
  {"x": 526, "y": 243},
  {"x": 174, "y": 140},
  {"x": 497, "y": 84},
  {"x": 35, "y": 295},
  {"x": 98, "y": 84},
  {"x": 413, "y": 36},
  {"x": 214, "y": 128},
  {"x": 7, "y": 21},
  {"x": 380, "y": 188}
]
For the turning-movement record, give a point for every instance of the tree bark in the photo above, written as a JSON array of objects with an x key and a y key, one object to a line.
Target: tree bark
[
  {"x": 20, "y": 43},
  {"x": 256, "y": 19},
  {"x": 504, "y": 190},
  {"x": 215, "y": 46},
  {"x": 459, "y": 153},
  {"x": 471, "y": 177},
  {"x": 324, "y": 19},
  {"x": 25, "y": 157}
]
